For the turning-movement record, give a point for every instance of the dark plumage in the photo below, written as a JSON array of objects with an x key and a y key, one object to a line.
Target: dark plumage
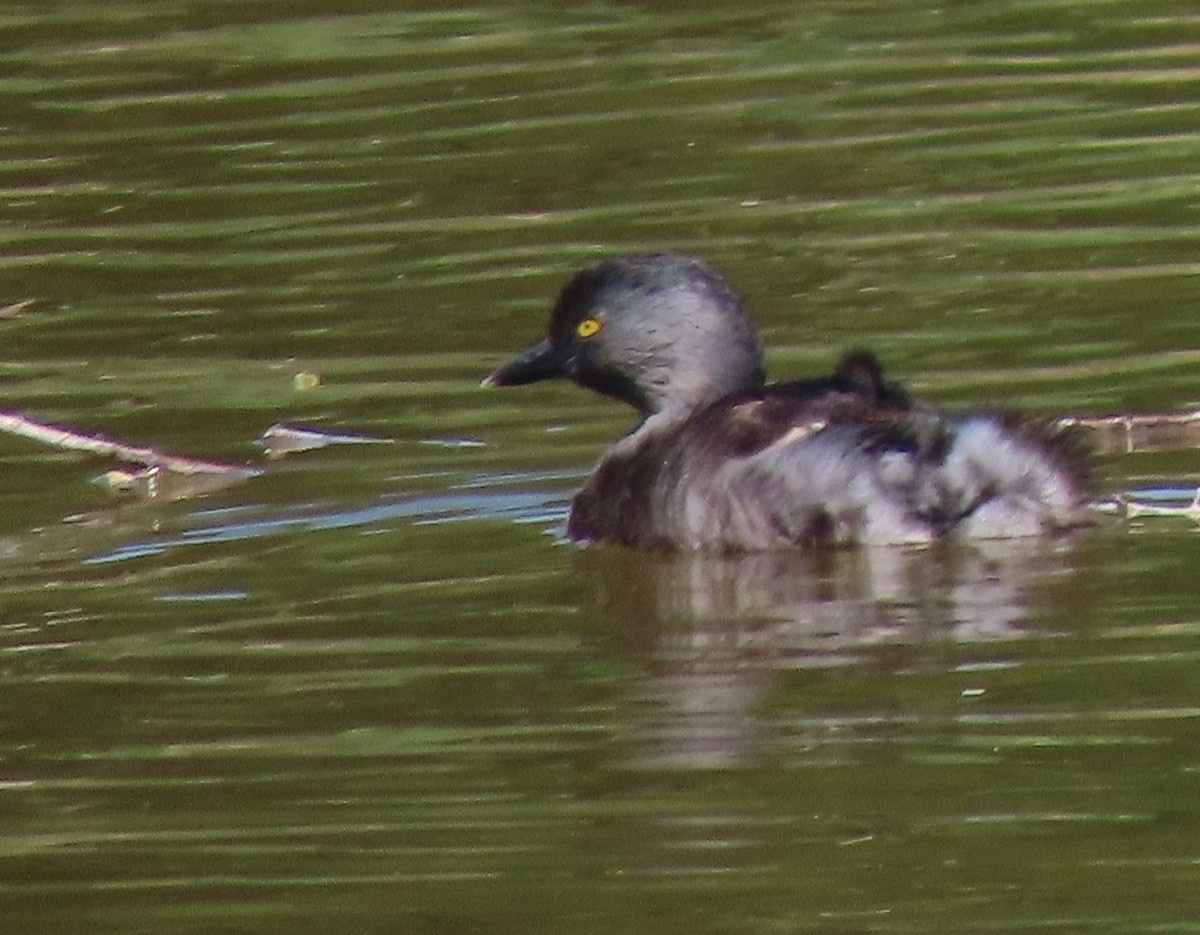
[{"x": 722, "y": 461}]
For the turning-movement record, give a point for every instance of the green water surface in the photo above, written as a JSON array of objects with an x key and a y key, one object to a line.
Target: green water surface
[{"x": 372, "y": 690}]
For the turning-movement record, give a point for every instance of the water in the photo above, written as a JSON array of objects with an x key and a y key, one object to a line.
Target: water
[{"x": 372, "y": 689}]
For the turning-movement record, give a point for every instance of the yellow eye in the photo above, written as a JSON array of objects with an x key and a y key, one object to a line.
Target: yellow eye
[{"x": 588, "y": 327}]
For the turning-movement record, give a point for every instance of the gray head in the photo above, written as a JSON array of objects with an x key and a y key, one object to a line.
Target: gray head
[{"x": 655, "y": 330}]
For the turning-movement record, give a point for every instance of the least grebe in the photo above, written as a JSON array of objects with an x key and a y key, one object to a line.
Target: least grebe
[{"x": 722, "y": 460}]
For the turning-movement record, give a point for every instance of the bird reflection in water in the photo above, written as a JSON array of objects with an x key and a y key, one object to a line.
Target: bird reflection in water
[{"x": 712, "y": 631}]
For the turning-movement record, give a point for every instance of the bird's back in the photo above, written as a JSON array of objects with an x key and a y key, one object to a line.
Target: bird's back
[{"x": 790, "y": 466}]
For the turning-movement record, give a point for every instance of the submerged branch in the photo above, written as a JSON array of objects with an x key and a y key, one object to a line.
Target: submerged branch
[
  {"x": 1134, "y": 432},
  {"x": 59, "y": 437},
  {"x": 161, "y": 475},
  {"x": 167, "y": 476},
  {"x": 280, "y": 440}
]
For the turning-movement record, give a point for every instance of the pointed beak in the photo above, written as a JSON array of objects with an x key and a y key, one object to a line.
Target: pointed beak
[{"x": 543, "y": 361}]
